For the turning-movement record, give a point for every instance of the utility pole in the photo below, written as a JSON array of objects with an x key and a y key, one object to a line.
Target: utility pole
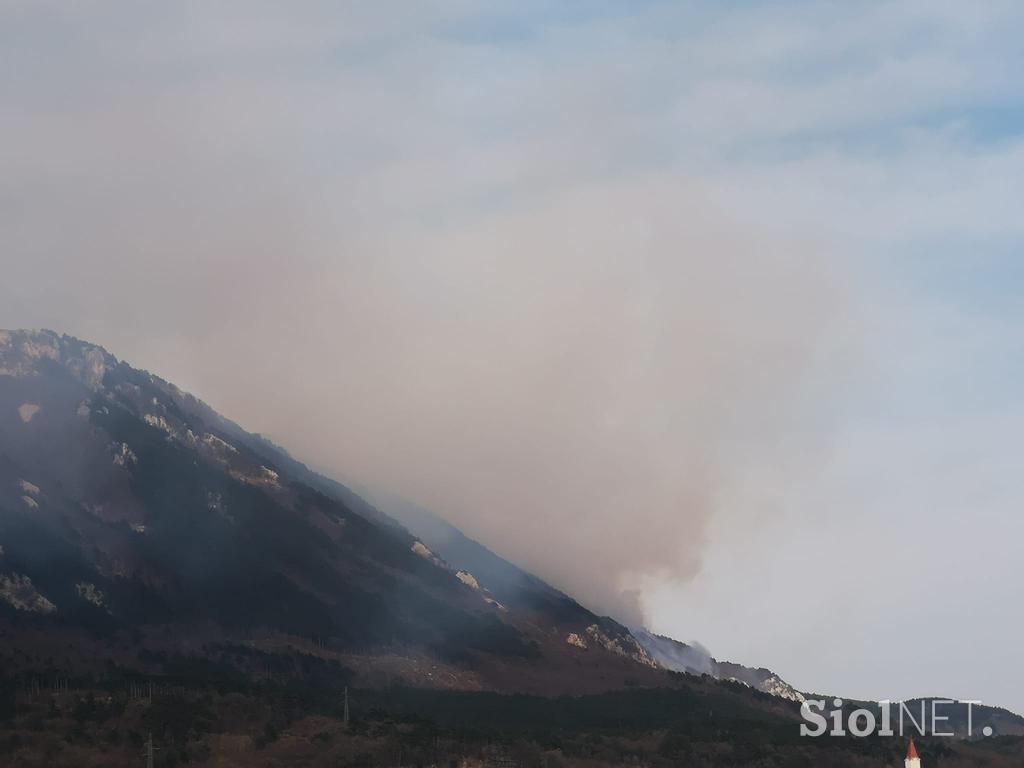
[
  {"x": 344, "y": 718},
  {"x": 149, "y": 751}
]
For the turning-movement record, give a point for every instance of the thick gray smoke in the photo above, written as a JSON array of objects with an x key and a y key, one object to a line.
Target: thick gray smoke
[{"x": 569, "y": 358}]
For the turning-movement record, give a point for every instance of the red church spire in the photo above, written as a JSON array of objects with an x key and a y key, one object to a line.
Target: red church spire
[{"x": 911, "y": 750}]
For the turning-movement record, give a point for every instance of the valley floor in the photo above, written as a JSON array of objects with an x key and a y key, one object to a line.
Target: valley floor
[{"x": 100, "y": 728}]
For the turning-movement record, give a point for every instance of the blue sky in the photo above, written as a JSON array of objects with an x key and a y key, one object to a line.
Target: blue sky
[{"x": 774, "y": 249}]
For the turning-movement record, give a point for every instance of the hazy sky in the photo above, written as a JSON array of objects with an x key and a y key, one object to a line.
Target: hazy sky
[{"x": 712, "y": 316}]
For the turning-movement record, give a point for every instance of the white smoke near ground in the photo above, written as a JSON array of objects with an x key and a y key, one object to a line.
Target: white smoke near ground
[
  {"x": 569, "y": 354},
  {"x": 690, "y": 657}
]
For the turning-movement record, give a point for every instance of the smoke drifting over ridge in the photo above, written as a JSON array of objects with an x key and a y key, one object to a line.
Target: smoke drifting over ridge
[
  {"x": 575, "y": 384},
  {"x": 571, "y": 364}
]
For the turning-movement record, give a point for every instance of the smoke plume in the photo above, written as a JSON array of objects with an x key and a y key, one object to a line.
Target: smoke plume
[{"x": 564, "y": 350}]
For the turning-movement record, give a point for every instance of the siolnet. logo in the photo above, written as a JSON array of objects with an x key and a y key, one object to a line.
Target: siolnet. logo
[{"x": 933, "y": 717}]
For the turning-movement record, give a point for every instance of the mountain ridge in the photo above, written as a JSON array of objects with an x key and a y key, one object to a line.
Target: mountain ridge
[
  {"x": 138, "y": 520},
  {"x": 191, "y": 520}
]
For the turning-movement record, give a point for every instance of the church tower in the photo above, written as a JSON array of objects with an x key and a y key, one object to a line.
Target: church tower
[{"x": 912, "y": 761}]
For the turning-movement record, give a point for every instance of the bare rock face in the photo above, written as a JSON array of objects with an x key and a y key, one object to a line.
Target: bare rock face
[
  {"x": 27, "y": 411},
  {"x": 576, "y": 641},
  {"x": 22, "y": 352},
  {"x": 90, "y": 593},
  {"x": 21, "y": 594},
  {"x": 468, "y": 579},
  {"x": 622, "y": 644},
  {"x": 776, "y": 686}
]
